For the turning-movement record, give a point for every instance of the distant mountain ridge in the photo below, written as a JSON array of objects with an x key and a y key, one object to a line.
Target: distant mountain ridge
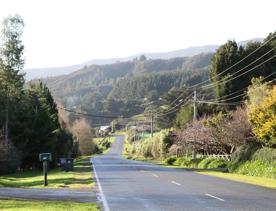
[
  {"x": 186, "y": 52},
  {"x": 56, "y": 71}
]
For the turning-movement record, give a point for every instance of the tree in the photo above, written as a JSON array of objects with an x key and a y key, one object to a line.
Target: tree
[
  {"x": 262, "y": 114},
  {"x": 11, "y": 64},
  {"x": 142, "y": 58},
  {"x": 233, "y": 66},
  {"x": 82, "y": 132}
]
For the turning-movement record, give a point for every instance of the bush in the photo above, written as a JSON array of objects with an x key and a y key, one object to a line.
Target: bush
[
  {"x": 156, "y": 147},
  {"x": 193, "y": 163},
  {"x": 242, "y": 154},
  {"x": 179, "y": 161},
  {"x": 265, "y": 154},
  {"x": 170, "y": 160},
  {"x": 257, "y": 168},
  {"x": 218, "y": 163},
  {"x": 205, "y": 162}
]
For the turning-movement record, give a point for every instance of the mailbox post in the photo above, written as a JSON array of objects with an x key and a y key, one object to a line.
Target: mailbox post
[{"x": 45, "y": 157}]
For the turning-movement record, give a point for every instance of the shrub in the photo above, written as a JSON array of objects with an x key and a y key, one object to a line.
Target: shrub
[
  {"x": 179, "y": 161},
  {"x": 193, "y": 163},
  {"x": 242, "y": 154},
  {"x": 218, "y": 163},
  {"x": 265, "y": 154},
  {"x": 170, "y": 160},
  {"x": 257, "y": 168},
  {"x": 205, "y": 162},
  {"x": 263, "y": 119}
]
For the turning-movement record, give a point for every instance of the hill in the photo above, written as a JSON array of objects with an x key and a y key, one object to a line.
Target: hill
[
  {"x": 120, "y": 88},
  {"x": 56, "y": 71}
]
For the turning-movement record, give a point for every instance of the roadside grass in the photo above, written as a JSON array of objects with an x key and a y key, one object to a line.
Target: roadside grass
[
  {"x": 80, "y": 178},
  {"x": 261, "y": 181},
  {"x": 33, "y": 205}
]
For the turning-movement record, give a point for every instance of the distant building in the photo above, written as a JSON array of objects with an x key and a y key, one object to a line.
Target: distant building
[{"x": 105, "y": 128}]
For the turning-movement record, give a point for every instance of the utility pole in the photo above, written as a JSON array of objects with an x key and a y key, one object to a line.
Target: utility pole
[
  {"x": 195, "y": 105},
  {"x": 151, "y": 124}
]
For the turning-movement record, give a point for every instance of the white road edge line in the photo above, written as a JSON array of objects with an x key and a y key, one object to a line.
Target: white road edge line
[
  {"x": 155, "y": 175},
  {"x": 215, "y": 197},
  {"x": 176, "y": 183},
  {"x": 105, "y": 204}
]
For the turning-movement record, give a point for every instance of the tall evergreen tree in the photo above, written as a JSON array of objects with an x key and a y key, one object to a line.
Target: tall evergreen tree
[{"x": 11, "y": 65}]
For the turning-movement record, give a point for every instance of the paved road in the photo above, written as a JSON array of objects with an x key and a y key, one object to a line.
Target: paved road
[
  {"x": 48, "y": 194},
  {"x": 133, "y": 185}
]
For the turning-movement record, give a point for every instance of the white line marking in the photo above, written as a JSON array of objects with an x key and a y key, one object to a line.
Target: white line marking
[
  {"x": 155, "y": 175},
  {"x": 176, "y": 183},
  {"x": 215, "y": 197},
  {"x": 105, "y": 204},
  {"x": 142, "y": 171}
]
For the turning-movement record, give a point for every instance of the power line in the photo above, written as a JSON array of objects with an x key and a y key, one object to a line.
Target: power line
[
  {"x": 224, "y": 71},
  {"x": 92, "y": 115},
  {"x": 221, "y": 81},
  {"x": 168, "y": 110},
  {"x": 228, "y": 95},
  {"x": 164, "y": 114},
  {"x": 217, "y": 103}
]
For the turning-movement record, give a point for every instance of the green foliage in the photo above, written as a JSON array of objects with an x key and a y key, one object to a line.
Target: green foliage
[
  {"x": 229, "y": 54},
  {"x": 170, "y": 160},
  {"x": 257, "y": 168},
  {"x": 9, "y": 160},
  {"x": 218, "y": 163},
  {"x": 266, "y": 155},
  {"x": 205, "y": 162},
  {"x": 193, "y": 163},
  {"x": 184, "y": 116},
  {"x": 156, "y": 147},
  {"x": 120, "y": 88},
  {"x": 254, "y": 161},
  {"x": 242, "y": 154}
]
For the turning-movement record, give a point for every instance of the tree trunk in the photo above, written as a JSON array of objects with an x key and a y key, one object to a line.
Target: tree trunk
[{"x": 7, "y": 121}]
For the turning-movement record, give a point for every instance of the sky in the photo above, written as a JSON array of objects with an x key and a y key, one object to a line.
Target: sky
[{"x": 68, "y": 32}]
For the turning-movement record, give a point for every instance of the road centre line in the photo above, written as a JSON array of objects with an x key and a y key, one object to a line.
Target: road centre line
[
  {"x": 215, "y": 197},
  {"x": 176, "y": 183}
]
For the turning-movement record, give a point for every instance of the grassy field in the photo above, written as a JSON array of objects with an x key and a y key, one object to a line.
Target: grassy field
[
  {"x": 261, "y": 181},
  {"x": 80, "y": 178},
  {"x": 23, "y": 205}
]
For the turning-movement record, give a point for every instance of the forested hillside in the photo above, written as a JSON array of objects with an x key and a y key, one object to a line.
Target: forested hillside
[{"x": 120, "y": 88}]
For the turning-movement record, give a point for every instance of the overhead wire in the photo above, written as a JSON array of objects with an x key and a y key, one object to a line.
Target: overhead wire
[
  {"x": 224, "y": 71},
  {"x": 222, "y": 80}
]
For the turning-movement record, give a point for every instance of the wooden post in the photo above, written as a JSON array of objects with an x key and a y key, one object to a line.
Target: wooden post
[{"x": 45, "y": 173}]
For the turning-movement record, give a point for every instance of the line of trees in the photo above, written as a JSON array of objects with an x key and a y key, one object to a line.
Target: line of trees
[{"x": 29, "y": 122}]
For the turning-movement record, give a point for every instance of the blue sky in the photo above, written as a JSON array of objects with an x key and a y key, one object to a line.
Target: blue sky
[{"x": 66, "y": 32}]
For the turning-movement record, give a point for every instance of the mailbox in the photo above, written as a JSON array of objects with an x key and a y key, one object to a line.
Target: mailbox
[{"x": 45, "y": 157}]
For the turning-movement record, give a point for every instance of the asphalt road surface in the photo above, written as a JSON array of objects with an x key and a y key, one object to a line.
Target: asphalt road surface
[
  {"x": 134, "y": 185},
  {"x": 48, "y": 194}
]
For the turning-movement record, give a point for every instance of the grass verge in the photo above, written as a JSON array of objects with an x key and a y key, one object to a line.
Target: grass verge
[
  {"x": 261, "y": 181},
  {"x": 80, "y": 178},
  {"x": 23, "y": 205}
]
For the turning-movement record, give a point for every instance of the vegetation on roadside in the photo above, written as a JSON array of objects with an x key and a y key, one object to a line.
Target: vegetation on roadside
[
  {"x": 80, "y": 178},
  {"x": 35, "y": 205},
  {"x": 103, "y": 144}
]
